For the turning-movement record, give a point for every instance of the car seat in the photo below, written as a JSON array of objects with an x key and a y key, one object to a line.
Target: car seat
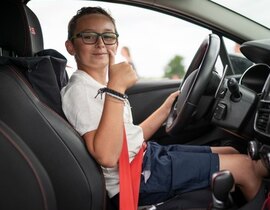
[
  {"x": 76, "y": 177},
  {"x": 24, "y": 182}
]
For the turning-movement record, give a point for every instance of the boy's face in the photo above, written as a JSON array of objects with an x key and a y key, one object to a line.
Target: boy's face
[{"x": 92, "y": 56}]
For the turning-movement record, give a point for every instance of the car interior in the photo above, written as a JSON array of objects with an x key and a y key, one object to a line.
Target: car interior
[{"x": 44, "y": 161}]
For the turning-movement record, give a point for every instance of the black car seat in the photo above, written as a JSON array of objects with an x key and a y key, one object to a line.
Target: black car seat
[
  {"x": 24, "y": 183},
  {"x": 76, "y": 178}
]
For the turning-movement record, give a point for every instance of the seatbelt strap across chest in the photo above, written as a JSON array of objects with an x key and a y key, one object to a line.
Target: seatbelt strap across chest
[{"x": 129, "y": 176}]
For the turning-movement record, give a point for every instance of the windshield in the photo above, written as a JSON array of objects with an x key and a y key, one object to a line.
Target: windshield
[{"x": 256, "y": 10}]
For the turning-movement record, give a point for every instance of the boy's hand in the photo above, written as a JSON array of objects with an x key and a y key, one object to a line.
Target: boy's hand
[
  {"x": 121, "y": 75},
  {"x": 169, "y": 101}
]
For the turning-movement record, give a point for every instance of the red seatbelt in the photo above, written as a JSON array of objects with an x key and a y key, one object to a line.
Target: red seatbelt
[
  {"x": 129, "y": 176},
  {"x": 266, "y": 204}
]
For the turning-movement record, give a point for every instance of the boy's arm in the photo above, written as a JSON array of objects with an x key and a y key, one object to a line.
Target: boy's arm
[
  {"x": 156, "y": 119},
  {"x": 105, "y": 143}
]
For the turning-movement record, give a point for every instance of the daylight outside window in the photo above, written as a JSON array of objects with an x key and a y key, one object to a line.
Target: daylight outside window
[{"x": 157, "y": 42}]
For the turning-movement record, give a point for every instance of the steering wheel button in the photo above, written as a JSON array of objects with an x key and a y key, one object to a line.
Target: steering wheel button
[
  {"x": 222, "y": 93},
  {"x": 220, "y": 111}
]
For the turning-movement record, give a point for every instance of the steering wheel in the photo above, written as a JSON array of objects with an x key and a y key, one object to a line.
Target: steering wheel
[{"x": 193, "y": 85}]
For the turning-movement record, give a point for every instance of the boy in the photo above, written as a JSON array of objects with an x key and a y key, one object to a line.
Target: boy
[{"x": 93, "y": 41}]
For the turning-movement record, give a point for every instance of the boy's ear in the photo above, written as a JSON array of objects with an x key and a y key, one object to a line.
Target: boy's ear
[{"x": 69, "y": 47}]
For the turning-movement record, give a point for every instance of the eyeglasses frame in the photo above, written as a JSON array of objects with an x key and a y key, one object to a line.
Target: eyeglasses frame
[{"x": 79, "y": 35}]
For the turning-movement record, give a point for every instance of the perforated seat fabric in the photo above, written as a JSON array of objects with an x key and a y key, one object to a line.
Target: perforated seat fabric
[{"x": 24, "y": 183}]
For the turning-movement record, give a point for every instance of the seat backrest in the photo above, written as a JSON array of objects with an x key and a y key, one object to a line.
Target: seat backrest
[
  {"x": 24, "y": 183},
  {"x": 76, "y": 177},
  {"x": 45, "y": 73}
]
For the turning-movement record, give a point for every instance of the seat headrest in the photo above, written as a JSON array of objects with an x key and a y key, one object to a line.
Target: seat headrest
[{"x": 20, "y": 30}]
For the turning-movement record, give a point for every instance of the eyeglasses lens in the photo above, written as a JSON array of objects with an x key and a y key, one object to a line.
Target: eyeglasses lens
[{"x": 92, "y": 38}]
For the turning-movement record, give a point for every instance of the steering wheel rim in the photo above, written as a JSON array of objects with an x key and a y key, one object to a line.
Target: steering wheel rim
[{"x": 193, "y": 85}]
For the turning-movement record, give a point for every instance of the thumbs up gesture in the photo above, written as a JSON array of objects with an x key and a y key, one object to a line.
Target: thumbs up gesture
[{"x": 121, "y": 75}]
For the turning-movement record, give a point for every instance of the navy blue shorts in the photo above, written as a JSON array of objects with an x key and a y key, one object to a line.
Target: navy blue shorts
[{"x": 174, "y": 169}]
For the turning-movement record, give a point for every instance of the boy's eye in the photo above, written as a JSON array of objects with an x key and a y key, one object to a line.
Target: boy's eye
[
  {"x": 109, "y": 36},
  {"x": 90, "y": 36}
]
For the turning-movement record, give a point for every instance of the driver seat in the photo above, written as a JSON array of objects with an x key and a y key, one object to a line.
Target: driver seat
[
  {"x": 75, "y": 176},
  {"x": 22, "y": 175}
]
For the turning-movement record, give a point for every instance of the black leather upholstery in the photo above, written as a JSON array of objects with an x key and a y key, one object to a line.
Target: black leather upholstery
[
  {"x": 76, "y": 177},
  {"x": 20, "y": 29},
  {"x": 24, "y": 183},
  {"x": 46, "y": 74}
]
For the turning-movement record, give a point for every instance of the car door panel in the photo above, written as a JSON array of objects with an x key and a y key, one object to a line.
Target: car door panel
[{"x": 146, "y": 96}]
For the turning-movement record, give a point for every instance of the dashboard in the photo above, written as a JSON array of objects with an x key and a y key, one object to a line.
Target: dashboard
[
  {"x": 243, "y": 107},
  {"x": 257, "y": 78}
]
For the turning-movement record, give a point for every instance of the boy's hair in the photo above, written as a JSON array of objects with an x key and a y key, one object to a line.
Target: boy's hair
[{"x": 87, "y": 11}]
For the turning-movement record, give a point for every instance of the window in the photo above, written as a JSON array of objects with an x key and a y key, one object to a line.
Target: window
[
  {"x": 239, "y": 62},
  {"x": 154, "y": 39}
]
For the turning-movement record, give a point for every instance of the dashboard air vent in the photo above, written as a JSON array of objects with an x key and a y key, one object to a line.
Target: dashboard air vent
[{"x": 262, "y": 117}]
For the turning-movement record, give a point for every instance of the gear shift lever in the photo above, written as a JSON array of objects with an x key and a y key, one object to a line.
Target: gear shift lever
[
  {"x": 222, "y": 184},
  {"x": 233, "y": 87},
  {"x": 254, "y": 149}
]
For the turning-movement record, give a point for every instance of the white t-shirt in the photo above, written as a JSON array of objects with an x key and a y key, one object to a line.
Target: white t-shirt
[{"x": 84, "y": 111}]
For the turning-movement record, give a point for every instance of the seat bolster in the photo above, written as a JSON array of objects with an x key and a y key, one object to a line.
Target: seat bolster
[{"x": 24, "y": 183}]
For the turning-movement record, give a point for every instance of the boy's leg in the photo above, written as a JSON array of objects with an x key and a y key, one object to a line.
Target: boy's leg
[
  {"x": 247, "y": 173},
  {"x": 201, "y": 149},
  {"x": 224, "y": 150},
  {"x": 186, "y": 148},
  {"x": 173, "y": 171}
]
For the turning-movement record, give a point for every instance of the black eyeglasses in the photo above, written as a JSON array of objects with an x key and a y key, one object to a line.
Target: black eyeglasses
[{"x": 109, "y": 38}]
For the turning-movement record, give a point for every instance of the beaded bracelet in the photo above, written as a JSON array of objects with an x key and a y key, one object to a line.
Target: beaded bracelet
[{"x": 112, "y": 93}]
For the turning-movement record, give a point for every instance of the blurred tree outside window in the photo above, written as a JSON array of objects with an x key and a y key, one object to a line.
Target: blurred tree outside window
[{"x": 175, "y": 68}]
